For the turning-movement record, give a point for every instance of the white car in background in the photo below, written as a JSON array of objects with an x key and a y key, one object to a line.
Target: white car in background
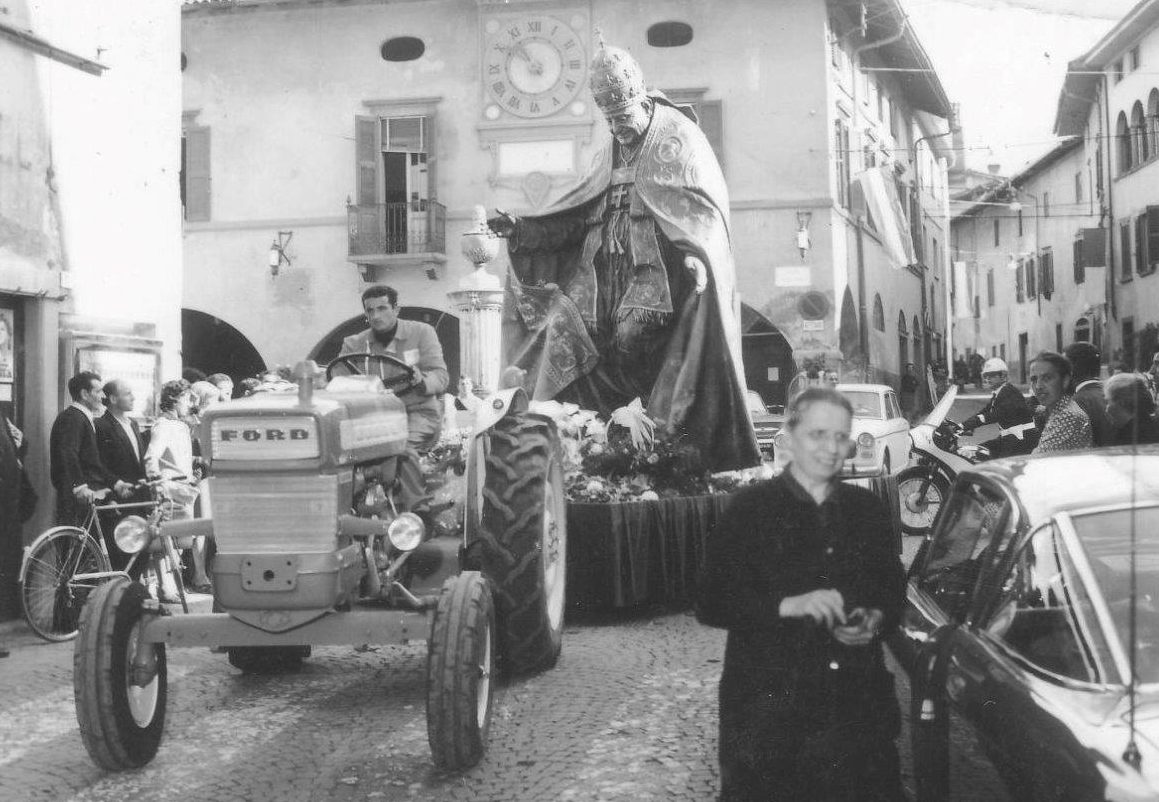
[{"x": 880, "y": 431}]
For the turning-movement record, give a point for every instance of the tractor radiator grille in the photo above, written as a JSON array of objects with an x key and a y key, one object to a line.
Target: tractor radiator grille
[{"x": 275, "y": 513}]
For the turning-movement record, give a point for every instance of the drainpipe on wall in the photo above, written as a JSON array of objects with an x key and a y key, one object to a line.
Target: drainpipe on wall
[
  {"x": 859, "y": 223},
  {"x": 1112, "y": 233}
]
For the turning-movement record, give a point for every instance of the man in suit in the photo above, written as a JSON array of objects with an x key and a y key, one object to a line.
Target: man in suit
[
  {"x": 1017, "y": 433},
  {"x": 77, "y": 472},
  {"x": 120, "y": 447},
  {"x": 416, "y": 344},
  {"x": 1088, "y": 390}
]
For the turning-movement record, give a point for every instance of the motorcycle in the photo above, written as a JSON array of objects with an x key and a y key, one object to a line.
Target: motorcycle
[{"x": 938, "y": 459}]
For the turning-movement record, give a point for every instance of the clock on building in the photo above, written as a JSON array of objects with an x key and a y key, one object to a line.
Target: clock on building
[{"x": 534, "y": 65}]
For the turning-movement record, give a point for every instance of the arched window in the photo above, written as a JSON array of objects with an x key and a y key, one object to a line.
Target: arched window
[
  {"x": 1153, "y": 120},
  {"x": 669, "y": 34},
  {"x": 902, "y": 329},
  {"x": 1123, "y": 141},
  {"x": 1138, "y": 135},
  {"x": 878, "y": 313},
  {"x": 403, "y": 48}
]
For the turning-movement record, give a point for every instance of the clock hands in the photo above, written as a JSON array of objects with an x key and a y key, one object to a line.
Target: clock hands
[{"x": 534, "y": 65}]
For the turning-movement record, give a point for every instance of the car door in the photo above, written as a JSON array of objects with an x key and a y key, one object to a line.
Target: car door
[
  {"x": 1031, "y": 654},
  {"x": 896, "y": 433},
  {"x": 972, "y": 531}
]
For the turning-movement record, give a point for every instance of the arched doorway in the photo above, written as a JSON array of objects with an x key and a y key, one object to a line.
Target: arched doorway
[
  {"x": 849, "y": 333},
  {"x": 767, "y": 356},
  {"x": 445, "y": 324},
  {"x": 211, "y": 345}
]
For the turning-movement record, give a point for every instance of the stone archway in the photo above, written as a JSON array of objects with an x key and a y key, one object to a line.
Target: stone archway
[
  {"x": 210, "y": 345},
  {"x": 445, "y": 324},
  {"x": 848, "y": 333},
  {"x": 767, "y": 356}
]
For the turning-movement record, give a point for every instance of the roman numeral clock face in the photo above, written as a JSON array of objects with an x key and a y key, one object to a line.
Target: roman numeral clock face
[{"x": 535, "y": 66}]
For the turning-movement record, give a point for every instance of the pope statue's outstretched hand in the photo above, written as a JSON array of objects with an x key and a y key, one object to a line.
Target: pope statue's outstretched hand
[{"x": 625, "y": 286}]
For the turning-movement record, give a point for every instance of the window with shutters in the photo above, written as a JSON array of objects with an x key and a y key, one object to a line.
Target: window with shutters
[
  {"x": 1152, "y": 226},
  {"x": 1019, "y": 288},
  {"x": 1125, "y": 262},
  {"x": 1031, "y": 279},
  {"x": 990, "y": 287},
  {"x": 395, "y": 208},
  {"x": 841, "y": 158},
  {"x": 1141, "y": 243},
  {"x": 1046, "y": 204},
  {"x": 997, "y": 230},
  {"x": 1080, "y": 272},
  {"x": 195, "y": 177},
  {"x": 1046, "y": 272}
]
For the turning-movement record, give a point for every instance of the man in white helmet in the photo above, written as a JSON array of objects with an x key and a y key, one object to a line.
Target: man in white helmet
[{"x": 1017, "y": 433}]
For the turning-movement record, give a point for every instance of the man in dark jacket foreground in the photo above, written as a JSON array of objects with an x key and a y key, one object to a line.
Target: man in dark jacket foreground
[
  {"x": 1088, "y": 390},
  {"x": 803, "y": 573}
]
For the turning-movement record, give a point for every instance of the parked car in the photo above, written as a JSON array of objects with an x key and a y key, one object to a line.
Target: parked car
[
  {"x": 765, "y": 422},
  {"x": 1020, "y": 618},
  {"x": 880, "y": 430}
]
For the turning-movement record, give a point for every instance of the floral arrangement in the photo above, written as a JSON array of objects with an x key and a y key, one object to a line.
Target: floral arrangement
[{"x": 628, "y": 458}]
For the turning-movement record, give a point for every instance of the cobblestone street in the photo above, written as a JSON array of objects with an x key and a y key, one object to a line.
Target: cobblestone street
[{"x": 628, "y": 714}]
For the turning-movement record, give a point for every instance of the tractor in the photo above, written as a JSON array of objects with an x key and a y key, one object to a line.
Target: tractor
[{"x": 313, "y": 548}]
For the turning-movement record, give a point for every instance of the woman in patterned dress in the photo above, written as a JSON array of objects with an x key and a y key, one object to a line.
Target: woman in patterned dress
[{"x": 1067, "y": 426}]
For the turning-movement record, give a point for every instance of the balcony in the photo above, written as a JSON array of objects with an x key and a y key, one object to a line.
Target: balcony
[{"x": 390, "y": 234}]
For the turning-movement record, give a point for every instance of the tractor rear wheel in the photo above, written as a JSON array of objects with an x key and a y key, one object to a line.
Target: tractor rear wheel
[{"x": 520, "y": 544}]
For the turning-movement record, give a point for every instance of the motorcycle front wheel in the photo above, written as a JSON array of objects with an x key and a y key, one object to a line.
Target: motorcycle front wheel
[{"x": 921, "y": 493}]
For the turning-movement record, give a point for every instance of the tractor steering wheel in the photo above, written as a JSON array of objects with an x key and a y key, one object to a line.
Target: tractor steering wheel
[{"x": 394, "y": 372}]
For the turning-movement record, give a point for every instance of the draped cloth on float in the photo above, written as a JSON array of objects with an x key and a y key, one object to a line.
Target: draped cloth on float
[{"x": 677, "y": 204}]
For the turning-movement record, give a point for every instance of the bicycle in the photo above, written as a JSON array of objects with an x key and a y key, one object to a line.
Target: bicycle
[{"x": 66, "y": 563}]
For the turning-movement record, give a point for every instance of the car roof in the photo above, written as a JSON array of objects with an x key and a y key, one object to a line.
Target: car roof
[
  {"x": 1048, "y": 484},
  {"x": 870, "y": 388}
]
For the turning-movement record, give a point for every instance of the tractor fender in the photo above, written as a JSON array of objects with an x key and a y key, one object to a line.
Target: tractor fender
[{"x": 496, "y": 406}]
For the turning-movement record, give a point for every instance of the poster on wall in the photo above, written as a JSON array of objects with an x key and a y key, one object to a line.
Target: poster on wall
[
  {"x": 138, "y": 368},
  {"x": 7, "y": 348}
]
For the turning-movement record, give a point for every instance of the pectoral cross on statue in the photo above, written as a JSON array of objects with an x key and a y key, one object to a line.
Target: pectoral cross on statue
[{"x": 619, "y": 195}]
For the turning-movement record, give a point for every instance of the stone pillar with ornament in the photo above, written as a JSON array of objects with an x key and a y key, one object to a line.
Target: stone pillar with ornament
[{"x": 479, "y": 305}]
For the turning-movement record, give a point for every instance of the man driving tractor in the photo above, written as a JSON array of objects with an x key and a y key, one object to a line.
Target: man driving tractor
[
  {"x": 1017, "y": 433},
  {"x": 416, "y": 344}
]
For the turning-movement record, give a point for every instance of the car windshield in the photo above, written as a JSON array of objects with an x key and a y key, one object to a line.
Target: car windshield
[
  {"x": 866, "y": 404},
  {"x": 1106, "y": 538}
]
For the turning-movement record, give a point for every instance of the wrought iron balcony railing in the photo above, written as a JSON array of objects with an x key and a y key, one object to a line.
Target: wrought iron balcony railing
[{"x": 383, "y": 229}]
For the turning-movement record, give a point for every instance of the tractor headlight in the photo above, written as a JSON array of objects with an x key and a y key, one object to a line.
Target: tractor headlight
[
  {"x": 406, "y": 531},
  {"x": 131, "y": 534}
]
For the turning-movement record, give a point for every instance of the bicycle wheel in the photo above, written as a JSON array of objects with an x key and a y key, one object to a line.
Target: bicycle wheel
[{"x": 51, "y": 598}]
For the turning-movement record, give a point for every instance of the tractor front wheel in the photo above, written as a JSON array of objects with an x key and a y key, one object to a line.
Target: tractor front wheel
[
  {"x": 121, "y": 684},
  {"x": 460, "y": 666}
]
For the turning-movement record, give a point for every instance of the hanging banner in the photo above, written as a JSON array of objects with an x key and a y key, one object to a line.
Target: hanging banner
[
  {"x": 879, "y": 200},
  {"x": 963, "y": 292}
]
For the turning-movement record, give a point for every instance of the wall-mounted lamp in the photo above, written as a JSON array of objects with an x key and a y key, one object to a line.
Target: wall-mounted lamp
[
  {"x": 803, "y": 241},
  {"x": 277, "y": 253}
]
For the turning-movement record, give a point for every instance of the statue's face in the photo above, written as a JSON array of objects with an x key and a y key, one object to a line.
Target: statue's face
[{"x": 629, "y": 124}]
